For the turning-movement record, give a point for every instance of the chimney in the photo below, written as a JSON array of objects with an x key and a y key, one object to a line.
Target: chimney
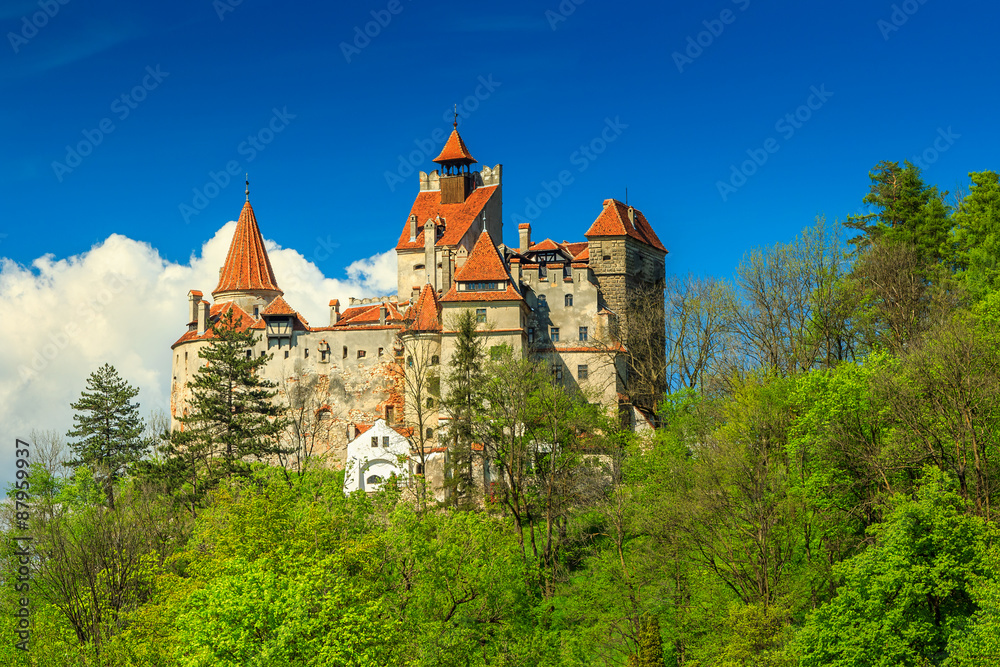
[
  {"x": 383, "y": 312},
  {"x": 194, "y": 298},
  {"x": 430, "y": 259},
  {"x": 352, "y": 432},
  {"x": 334, "y": 311},
  {"x": 524, "y": 236},
  {"x": 515, "y": 269},
  {"x": 202, "y": 317},
  {"x": 413, "y": 227}
]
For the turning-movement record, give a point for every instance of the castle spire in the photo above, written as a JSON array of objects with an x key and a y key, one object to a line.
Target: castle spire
[
  {"x": 248, "y": 188},
  {"x": 454, "y": 153},
  {"x": 247, "y": 266}
]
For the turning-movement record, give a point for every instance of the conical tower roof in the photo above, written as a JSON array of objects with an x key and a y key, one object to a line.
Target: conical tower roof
[
  {"x": 247, "y": 266},
  {"x": 426, "y": 312},
  {"x": 454, "y": 151}
]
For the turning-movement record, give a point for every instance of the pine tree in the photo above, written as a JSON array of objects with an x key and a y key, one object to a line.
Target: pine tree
[
  {"x": 109, "y": 429},
  {"x": 233, "y": 418},
  {"x": 464, "y": 380}
]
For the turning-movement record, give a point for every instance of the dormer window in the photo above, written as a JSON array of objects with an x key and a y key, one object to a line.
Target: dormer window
[{"x": 480, "y": 286}]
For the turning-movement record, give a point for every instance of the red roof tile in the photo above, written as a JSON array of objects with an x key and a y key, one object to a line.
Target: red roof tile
[
  {"x": 369, "y": 314},
  {"x": 278, "y": 307},
  {"x": 613, "y": 221},
  {"x": 508, "y": 294},
  {"x": 426, "y": 314},
  {"x": 242, "y": 318},
  {"x": 575, "y": 248},
  {"x": 483, "y": 263},
  {"x": 547, "y": 244},
  {"x": 583, "y": 256},
  {"x": 458, "y": 217},
  {"x": 247, "y": 266},
  {"x": 454, "y": 151}
]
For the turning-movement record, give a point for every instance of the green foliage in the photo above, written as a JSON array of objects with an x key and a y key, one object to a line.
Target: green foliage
[
  {"x": 232, "y": 420},
  {"x": 910, "y": 593},
  {"x": 109, "y": 428}
]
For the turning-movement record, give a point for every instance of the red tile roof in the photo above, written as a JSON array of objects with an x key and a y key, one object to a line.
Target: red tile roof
[
  {"x": 368, "y": 314},
  {"x": 583, "y": 256},
  {"x": 547, "y": 244},
  {"x": 247, "y": 266},
  {"x": 483, "y": 263},
  {"x": 613, "y": 221},
  {"x": 427, "y": 313},
  {"x": 458, "y": 218},
  {"x": 508, "y": 294},
  {"x": 242, "y": 318},
  {"x": 278, "y": 307},
  {"x": 454, "y": 151}
]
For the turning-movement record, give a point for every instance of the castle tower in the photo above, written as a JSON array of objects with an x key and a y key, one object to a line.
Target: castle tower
[
  {"x": 452, "y": 207},
  {"x": 627, "y": 259},
  {"x": 247, "y": 277}
]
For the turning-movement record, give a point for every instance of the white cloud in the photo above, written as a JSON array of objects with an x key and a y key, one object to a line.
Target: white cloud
[{"x": 121, "y": 303}]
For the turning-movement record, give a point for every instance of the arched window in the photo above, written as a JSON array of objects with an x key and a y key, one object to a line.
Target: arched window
[
  {"x": 374, "y": 479},
  {"x": 429, "y": 434},
  {"x": 324, "y": 415},
  {"x": 435, "y": 360},
  {"x": 569, "y": 300},
  {"x": 430, "y": 402}
]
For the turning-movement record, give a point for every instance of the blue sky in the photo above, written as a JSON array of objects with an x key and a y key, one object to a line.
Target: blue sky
[
  {"x": 225, "y": 67},
  {"x": 733, "y": 124}
]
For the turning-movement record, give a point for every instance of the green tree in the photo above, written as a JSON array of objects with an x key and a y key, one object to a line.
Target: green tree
[
  {"x": 974, "y": 247},
  {"x": 464, "y": 379},
  {"x": 109, "y": 429},
  {"x": 906, "y": 596},
  {"x": 906, "y": 211},
  {"x": 233, "y": 417}
]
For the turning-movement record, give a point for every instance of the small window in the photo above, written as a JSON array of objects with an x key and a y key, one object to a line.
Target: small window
[
  {"x": 325, "y": 415},
  {"x": 374, "y": 479},
  {"x": 418, "y": 267},
  {"x": 557, "y": 371},
  {"x": 435, "y": 360},
  {"x": 385, "y": 441},
  {"x": 262, "y": 353},
  {"x": 420, "y": 468},
  {"x": 480, "y": 315},
  {"x": 569, "y": 300},
  {"x": 381, "y": 351},
  {"x": 256, "y": 312},
  {"x": 249, "y": 354},
  {"x": 531, "y": 335},
  {"x": 322, "y": 355},
  {"x": 306, "y": 352},
  {"x": 430, "y": 402},
  {"x": 345, "y": 352},
  {"x": 185, "y": 356},
  {"x": 361, "y": 354},
  {"x": 286, "y": 354},
  {"x": 409, "y": 361},
  {"x": 429, "y": 434},
  {"x": 606, "y": 258},
  {"x": 581, "y": 372},
  {"x": 374, "y": 441},
  {"x": 390, "y": 414},
  {"x": 554, "y": 334},
  {"x": 583, "y": 333}
]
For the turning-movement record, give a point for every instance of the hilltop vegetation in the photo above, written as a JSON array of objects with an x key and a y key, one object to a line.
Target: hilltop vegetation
[{"x": 821, "y": 492}]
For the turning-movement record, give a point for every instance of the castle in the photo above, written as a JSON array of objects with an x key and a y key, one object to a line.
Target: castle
[{"x": 567, "y": 303}]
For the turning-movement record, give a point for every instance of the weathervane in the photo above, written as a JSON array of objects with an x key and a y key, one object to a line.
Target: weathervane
[
  {"x": 248, "y": 187},
  {"x": 455, "y": 124}
]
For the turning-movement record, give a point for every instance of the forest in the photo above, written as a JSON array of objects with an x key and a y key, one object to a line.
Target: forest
[{"x": 819, "y": 490}]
